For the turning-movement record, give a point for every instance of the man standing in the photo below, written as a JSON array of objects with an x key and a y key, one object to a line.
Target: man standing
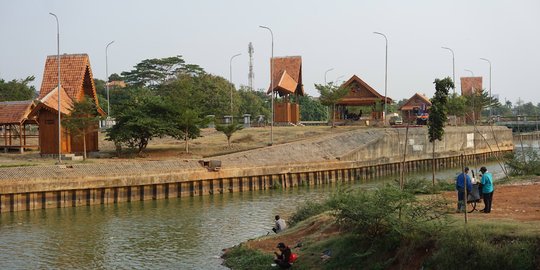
[
  {"x": 460, "y": 187},
  {"x": 487, "y": 189}
]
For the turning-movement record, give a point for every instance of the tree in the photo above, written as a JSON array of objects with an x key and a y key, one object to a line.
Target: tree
[
  {"x": 15, "y": 90},
  {"x": 82, "y": 120},
  {"x": 229, "y": 130},
  {"x": 437, "y": 114},
  {"x": 311, "y": 109},
  {"x": 253, "y": 102},
  {"x": 330, "y": 95},
  {"x": 186, "y": 124},
  {"x": 477, "y": 102},
  {"x": 140, "y": 117},
  {"x": 155, "y": 72},
  {"x": 115, "y": 77}
]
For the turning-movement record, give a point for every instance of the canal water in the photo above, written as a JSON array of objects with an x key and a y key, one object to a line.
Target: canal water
[{"x": 183, "y": 233}]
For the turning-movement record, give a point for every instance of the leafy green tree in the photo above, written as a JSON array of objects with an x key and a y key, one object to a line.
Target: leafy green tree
[
  {"x": 330, "y": 95},
  {"x": 155, "y": 72},
  {"x": 437, "y": 114},
  {"x": 82, "y": 120},
  {"x": 115, "y": 77},
  {"x": 100, "y": 87},
  {"x": 477, "y": 102},
  {"x": 140, "y": 117},
  {"x": 311, "y": 109},
  {"x": 229, "y": 130},
  {"x": 15, "y": 90},
  {"x": 253, "y": 102},
  {"x": 186, "y": 125}
]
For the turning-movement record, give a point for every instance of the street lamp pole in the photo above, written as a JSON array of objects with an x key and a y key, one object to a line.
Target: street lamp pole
[
  {"x": 326, "y": 73},
  {"x": 230, "y": 78},
  {"x": 107, "y": 80},
  {"x": 490, "y": 101},
  {"x": 385, "y": 74},
  {"x": 453, "y": 67},
  {"x": 58, "y": 60},
  {"x": 271, "y": 84}
]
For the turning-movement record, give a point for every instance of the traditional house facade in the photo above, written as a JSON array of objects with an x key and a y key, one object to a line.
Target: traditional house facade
[
  {"x": 360, "y": 94},
  {"x": 77, "y": 83},
  {"x": 411, "y": 109}
]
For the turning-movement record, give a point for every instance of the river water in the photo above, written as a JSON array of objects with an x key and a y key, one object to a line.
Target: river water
[{"x": 183, "y": 233}]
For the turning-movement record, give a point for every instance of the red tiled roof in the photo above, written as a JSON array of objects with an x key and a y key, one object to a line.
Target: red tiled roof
[
  {"x": 287, "y": 75},
  {"x": 50, "y": 102},
  {"x": 417, "y": 100},
  {"x": 15, "y": 112},
  {"x": 73, "y": 68},
  {"x": 467, "y": 84},
  {"x": 363, "y": 94}
]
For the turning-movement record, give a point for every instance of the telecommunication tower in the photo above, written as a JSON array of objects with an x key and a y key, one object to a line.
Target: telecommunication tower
[{"x": 251, "y": 75}]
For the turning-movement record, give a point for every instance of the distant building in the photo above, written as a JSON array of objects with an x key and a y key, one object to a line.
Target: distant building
[
  {"x": 411, "y": 109},
  {"x": 287, "y": 81},
  {"x": 116, "y": 84},
  {"x": 77, "y": 82}
]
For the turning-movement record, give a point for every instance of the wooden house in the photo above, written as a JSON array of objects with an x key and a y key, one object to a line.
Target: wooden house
[
  {"x": 287, "y": 81},
  {"x": 360, "y": 94},
  {"x": 16, "y": 130},
  {"x": 413, "y": 106},
  {"x": 76, "y": 83}
]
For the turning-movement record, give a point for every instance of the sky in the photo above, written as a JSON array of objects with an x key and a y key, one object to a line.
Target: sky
[{"x": 335, "y": 35}]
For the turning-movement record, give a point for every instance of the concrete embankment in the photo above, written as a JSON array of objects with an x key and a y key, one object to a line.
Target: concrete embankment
[{"x": 352, "y": 156}]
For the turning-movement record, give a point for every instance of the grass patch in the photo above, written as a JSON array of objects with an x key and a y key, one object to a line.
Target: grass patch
[
  {"x": 240, "y": 257},
  {"x": 17, "y": 165}
]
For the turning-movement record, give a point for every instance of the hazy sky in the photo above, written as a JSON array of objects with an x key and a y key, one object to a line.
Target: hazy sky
[{"x": 327, "y": 34}]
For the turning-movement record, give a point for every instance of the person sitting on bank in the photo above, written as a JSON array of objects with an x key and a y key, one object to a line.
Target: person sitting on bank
[
  {"x": 460, "y": 187},
  {"x": 487, "y": 189},
  {"x": 283, "y": 259},
  {"x": 280, "y": 225}
]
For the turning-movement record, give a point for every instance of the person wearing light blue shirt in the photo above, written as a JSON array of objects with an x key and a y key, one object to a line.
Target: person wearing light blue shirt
[{"x": 487, "y": 189}]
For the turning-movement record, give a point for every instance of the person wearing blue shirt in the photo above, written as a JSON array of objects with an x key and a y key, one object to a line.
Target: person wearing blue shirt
[
  {"x": 487, "y": 189},
  {"x": 460, "y": 187}
]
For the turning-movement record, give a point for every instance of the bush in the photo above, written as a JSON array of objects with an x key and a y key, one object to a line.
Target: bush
[
  {"x": 476, "y": 248},
  {"x": 386, "y": 212},
  {"x": 424, "y": 186},
  {"x": 307, "y": 210},
  {"x": 525, "y": 163}
]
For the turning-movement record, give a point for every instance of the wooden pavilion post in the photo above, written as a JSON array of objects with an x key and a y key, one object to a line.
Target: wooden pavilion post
[{"x": 21, "y": 145}]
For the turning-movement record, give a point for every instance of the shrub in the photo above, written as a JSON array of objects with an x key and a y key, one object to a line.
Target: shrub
[
  {"x": 307, "y": 210},
  {"x": 478, "y": 248},
  {"x": 525, "y": 163}
]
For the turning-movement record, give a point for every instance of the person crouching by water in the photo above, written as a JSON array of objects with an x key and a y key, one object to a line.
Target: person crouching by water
[
  {"x": 283, "y": 259},
  {"x": 280, "y": 225},
  {"x": 487, "y": 189},
  {"x": 460, "y": 187}
]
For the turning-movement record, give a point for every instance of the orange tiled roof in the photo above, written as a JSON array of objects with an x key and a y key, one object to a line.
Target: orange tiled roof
[
  {"x": 73, "y": 68},
  {"x": 287, "y": 75},
  {"x": 364, "y": 94},
  {"x": 415, "y": 101},
  {"x": 15, "y": 112},
  {"x": 50, "y": 102}
]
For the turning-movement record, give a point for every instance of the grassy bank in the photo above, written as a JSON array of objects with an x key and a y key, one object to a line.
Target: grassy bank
[{"x": 392, "y": 229}]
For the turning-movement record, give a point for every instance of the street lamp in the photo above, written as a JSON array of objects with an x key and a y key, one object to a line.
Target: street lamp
[
  {"x": 107, "y": 80},
  {"x": 484, "y": 59},
  {"x": 271, "y": 85},
  {"x": 453, "y": 67},
  {"x": 230, "y": 77},
  {"x": 326, "y": 73},
  {"x": 58, "y": 60},
  {"x": 385, "y": 74}
]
